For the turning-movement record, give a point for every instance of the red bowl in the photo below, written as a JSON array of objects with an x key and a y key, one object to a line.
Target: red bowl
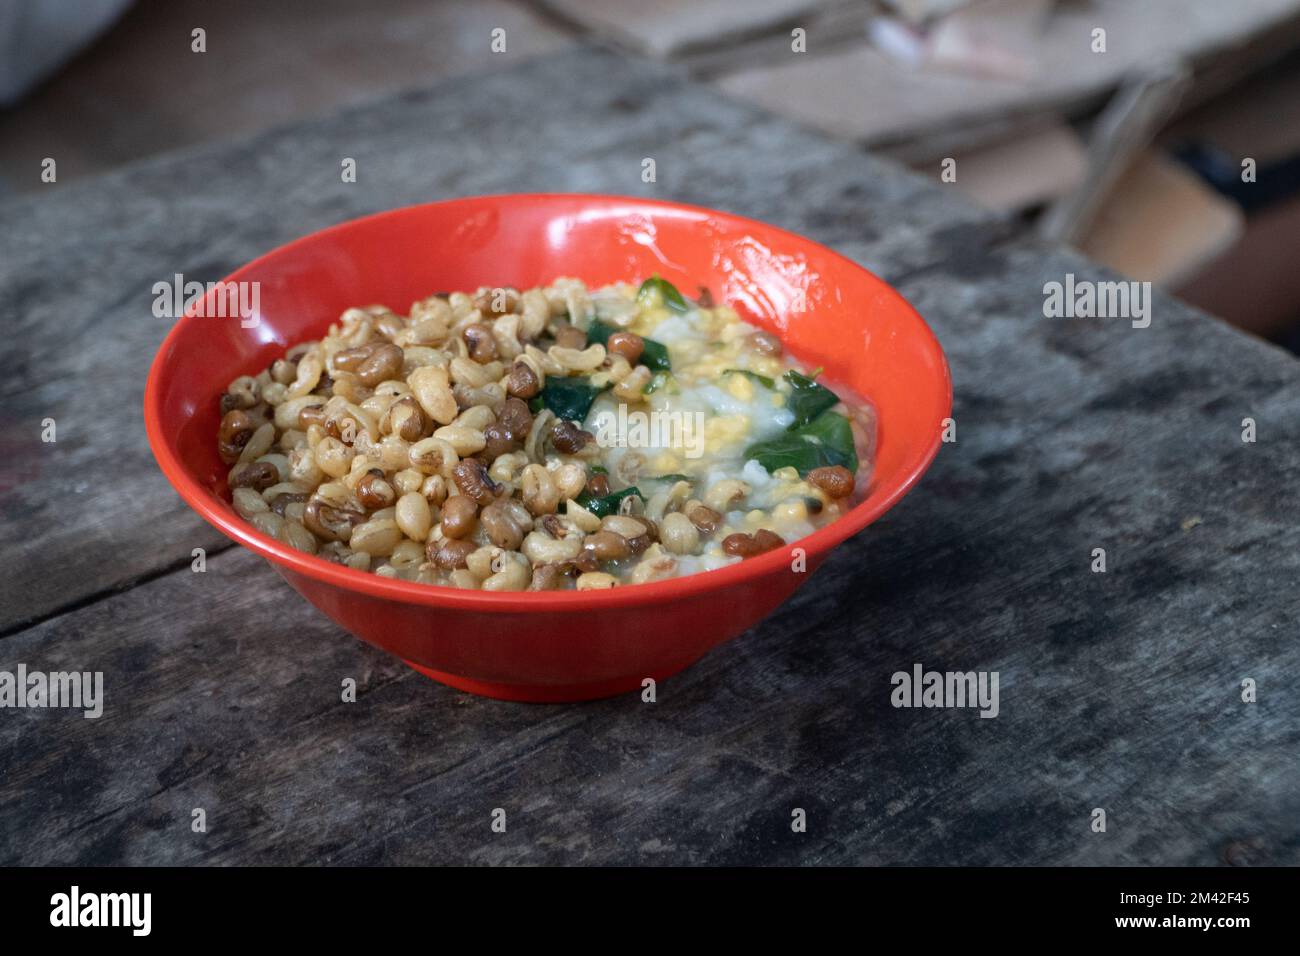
[{"x": 555, "y": 646}]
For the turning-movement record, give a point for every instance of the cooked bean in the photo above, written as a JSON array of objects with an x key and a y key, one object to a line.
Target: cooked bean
[
  {"x": 459, "y": 515},
  {"x": 334, "y": 457},
  {"x": 566, "y": 336},
  {"x": 515, "y": 418},
  {"x": 247, "y": 503},
  {"x": 835, "y": 480},
  {"x": 349, "y": 360},
  {"x": 283, "y": 371},
  {"x": 547, "y": 577},
  {"x": 258, "y": 475},
  {"x": 596, "y": 580},
  {"x": 404, "y": 418},
  {"x": 522, "y": 382},
  {"x": 376, "y": 537},
  {"x": 296, "y": 536},
  {"x": 726, "y": 494},
  {"x": 569, "y": 439},
  {"x": 498, "y": 442},
  {"x": 482, "y": 346},
  {"x": 545, "y": 548},
  {"x": 607, "y": 546},
  {"x": 747, "y": 546},
  {"x": 678, "y": 534},
  {"x": 414, "y": 516},
  {"x": 627, "y": 344},
  {"x": 598, "y": 485},
  {"x": 501, "y": 527},
  {"x": 466, "y": 441},
  {"x": 570, "y": 478},
  {"x": 281, "y": 501},
  {"x": 703, "y": 517},
  {"x": 374, "y": 490},
  {"x": 326, "y": 521},
  {"x": 237, "y": 428},
  {"x": 474, "y": 482},
  {"x": 311, "y": 415},
  {"x": 512, "y": 573},
  {"x": 451, "y": 554},
  {"x": 433, "y": 456}
]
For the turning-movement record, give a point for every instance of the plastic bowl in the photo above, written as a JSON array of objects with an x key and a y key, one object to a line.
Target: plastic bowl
[{"x": 555, "y": 646}]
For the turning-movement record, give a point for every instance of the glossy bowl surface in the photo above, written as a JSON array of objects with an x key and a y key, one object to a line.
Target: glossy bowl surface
[{"x": 560, "y": 646}]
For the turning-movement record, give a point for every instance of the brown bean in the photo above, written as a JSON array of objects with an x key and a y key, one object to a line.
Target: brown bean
[
  {"x": 548, "y": 577},
  {"x": 382, "y": 364},
  {"x": 258, "y": 475},
  {"x": 627, "y": 344},
  {"x": 500, "y": 527},
  {"x": 450, "y": 555},
  {"x": 522, "y": 381},
  {"x": 748, "y": 546},
  {"x": 704, "y": 518},
  {"x": 607, "y": 546},
  {"x": 405, "y": 419},
  {"x": 569, "y": 439},
  {"x": 586, "y": 561},
  {"x": 705, "y": 298},
  {"x": 835, "y": 480},
  {"x": 374, "y": 490},
  {"x": 311, "y": 415},
  {"x": 598, "y": 485},
  {"x": 499, "y": 442},
  {"x": 284, "y": 499},
  {"x": 516, "y": 419},
  {"x": 474, "y": 482},
  {"x": 326, "y": 521},
  {"x": 566, "y": 336},
  {"x": 459, "y": 515},
  {"x": 482, "y": 346},
  {"x": 237, "y": 428},
  {"x": 554, "y": 526},
  {"x": 349, "y": 360}
]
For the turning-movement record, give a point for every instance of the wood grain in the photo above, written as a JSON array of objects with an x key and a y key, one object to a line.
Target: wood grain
[{"x": 1119, "y": 690}]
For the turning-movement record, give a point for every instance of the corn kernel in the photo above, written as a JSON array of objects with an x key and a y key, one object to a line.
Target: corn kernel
[{"x": 740, "y": 387}]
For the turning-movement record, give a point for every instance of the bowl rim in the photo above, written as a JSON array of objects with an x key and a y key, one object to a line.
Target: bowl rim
[{"x": 373, "y": 585}]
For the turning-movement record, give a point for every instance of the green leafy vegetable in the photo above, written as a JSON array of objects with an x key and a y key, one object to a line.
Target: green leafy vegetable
[
  {"x": 598, "y": 469},
  {"x": 607, "y": 504},
  {"x": 569, "y": 398},
  {"x": 807, "y": 398},
  {"x": 753, "y": 376},
  {"x": 668, "y": 294},
  {"x": 669, "y": 478},
  {"x": 654, "y": 356},
  {"x": 826, "y": 440}
]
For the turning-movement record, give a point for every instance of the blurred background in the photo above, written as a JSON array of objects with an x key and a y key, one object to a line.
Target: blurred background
[{"x": 1161, "y": 137}]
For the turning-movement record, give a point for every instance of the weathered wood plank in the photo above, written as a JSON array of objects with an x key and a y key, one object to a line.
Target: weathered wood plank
[
  {"x": 1118, "y": 690},
  {"x": 90, "y": 512}
]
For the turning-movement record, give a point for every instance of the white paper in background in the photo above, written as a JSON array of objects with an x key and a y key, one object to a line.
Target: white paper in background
[{"x": 39, "y": 36}]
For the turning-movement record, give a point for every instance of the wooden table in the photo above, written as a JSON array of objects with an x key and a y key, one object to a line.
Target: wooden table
[{"x": 1119, "y": 690}]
